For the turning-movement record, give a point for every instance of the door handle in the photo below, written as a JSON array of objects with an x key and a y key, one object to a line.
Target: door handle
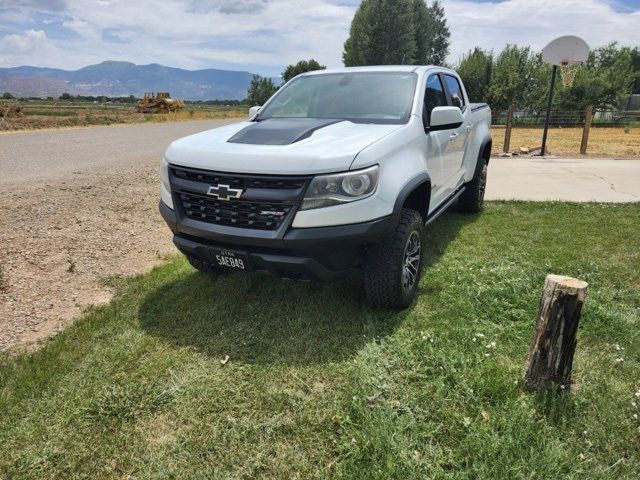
[{"x": 453, "y": 136}]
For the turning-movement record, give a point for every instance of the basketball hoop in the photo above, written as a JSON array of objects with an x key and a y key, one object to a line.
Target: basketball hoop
[
  {"x": 566, "y": 53},
  {"x": 568, "y": 72}
]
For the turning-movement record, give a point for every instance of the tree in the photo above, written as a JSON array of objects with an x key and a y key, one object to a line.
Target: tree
[
  {"x": 431, "y": 33},
  {"x": 475, "y": 70},
  {"x": 635, "y": 58},
  {"x": 520, "y": 78},
  {"x": 301, "y": 67},
  {"x": 7, "y": 96},
  {"x": 260, "y": 90},
  {"x": 605, "y": 79},
  {"x": 382, "y": 33},
  {"x": 536, "y": 84},
  {"x": 508, "y": 78}
]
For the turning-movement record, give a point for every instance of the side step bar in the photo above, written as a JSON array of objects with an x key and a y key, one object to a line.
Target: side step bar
[{"x": 444, "y": 205}]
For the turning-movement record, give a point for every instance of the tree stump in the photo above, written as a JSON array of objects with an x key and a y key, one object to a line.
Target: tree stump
[{"x": 554, "y": 338}]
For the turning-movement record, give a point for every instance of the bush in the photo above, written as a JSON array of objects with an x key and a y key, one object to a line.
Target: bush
[{"x": 629, "y": 125}]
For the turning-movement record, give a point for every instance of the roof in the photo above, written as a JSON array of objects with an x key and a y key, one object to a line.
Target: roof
[{"x": 370, "y": 68}]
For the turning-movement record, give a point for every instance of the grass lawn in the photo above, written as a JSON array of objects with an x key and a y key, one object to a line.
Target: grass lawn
[
  {"x": 603, "y": 141},
  {"x": 319, "y": 386}
]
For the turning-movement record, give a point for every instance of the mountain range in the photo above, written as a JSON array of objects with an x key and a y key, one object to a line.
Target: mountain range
[{"x": 114, "y": 79}]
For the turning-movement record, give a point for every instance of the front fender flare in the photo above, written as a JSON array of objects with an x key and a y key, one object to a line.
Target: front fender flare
[{"x": 408, "y": 188}]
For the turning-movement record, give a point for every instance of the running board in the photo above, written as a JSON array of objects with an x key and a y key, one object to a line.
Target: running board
[{"x": 444, "y": 205}]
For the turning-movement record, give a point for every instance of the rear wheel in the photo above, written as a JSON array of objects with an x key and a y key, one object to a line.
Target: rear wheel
[
  {"x": 392, "y": 268},
  {"x": 472, "y": 198}
]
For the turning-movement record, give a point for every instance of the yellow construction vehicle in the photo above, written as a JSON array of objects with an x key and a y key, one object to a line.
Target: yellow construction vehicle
[{"x": 161, "y": 102}]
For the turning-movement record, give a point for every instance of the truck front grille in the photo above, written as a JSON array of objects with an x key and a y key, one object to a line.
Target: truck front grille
[
  {"x": 234, "y": 213},
  {"x": 265, "y": 203},
  {"x": 242, "y": 181}
]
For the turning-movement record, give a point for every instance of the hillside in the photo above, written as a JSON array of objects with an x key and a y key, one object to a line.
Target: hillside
[{"x": 124, "y": 78}]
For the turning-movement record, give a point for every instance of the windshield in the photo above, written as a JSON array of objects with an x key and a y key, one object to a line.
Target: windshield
[{"x": 363, "y": 97}]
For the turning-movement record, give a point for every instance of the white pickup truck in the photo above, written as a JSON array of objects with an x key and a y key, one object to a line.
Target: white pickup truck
[{"x": 341, "y": 169}]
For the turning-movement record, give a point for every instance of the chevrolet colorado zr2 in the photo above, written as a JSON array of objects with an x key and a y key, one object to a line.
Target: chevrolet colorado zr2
[{"x": 340, "y": 169}]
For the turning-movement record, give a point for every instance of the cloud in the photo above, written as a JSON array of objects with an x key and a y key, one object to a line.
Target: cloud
[
  {"x": 117, "y": 35},
  {"x": 264, "y": 35},
  {"x": 28, "y": 42},
  {"x": 523, "y": 22},
  {"x": 227, "y": 7},
  {"x": 43, "y": 5}
]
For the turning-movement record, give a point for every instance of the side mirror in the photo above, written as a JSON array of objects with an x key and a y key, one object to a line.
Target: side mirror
[
  {"x": 445, "y": 118},
  {"x": 253, "y": 111}
]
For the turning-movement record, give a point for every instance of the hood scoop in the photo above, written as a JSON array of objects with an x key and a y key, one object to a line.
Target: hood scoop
[{"x": 280, "y": 131}]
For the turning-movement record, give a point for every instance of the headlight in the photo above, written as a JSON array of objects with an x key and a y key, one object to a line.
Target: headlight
[{"x": 339, "y": 188}]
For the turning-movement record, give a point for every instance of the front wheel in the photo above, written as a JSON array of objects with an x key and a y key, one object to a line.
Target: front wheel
[{"x": 392, "y": 268}]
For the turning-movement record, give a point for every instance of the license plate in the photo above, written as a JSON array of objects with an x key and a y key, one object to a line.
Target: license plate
[{"x": 230, "y": 259}]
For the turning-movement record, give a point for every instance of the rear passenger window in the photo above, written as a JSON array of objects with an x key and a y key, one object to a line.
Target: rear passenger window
[
  {"x": 457, "y": 98},
  {"x": 434, "y": 95}
]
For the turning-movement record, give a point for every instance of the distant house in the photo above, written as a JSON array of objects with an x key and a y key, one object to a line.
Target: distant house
[{"x": 632, "y": 103}]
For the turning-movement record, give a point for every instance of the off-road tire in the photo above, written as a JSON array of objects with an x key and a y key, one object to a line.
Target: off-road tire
[
  {"x": 385, "y": 262},
  {"x": 205, "y": 267},
  {"x": 472, "y": 198}
]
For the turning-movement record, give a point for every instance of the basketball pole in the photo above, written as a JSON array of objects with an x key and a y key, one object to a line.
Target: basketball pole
[{"x": 546, "y": 119}]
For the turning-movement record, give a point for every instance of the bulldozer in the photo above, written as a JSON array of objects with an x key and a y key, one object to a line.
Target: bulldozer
[{"x": 160, "y": 102}]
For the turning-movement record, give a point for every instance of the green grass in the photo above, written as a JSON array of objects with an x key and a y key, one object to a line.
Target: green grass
[
  {"x": 50, "y": 113},
  {"x": 319, "y": 386}
]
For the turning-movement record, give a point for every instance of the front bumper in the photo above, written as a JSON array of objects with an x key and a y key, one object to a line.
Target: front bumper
[{"x": 319, "y": 253}]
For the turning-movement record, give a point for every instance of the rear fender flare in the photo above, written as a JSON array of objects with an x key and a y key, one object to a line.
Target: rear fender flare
[{"x": 486, "y": 143}]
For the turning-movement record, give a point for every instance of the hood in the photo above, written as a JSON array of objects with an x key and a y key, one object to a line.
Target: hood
[{"x": 278, "y": 146}]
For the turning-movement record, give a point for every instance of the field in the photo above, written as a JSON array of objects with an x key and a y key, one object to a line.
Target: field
[
  {"x": 53, "y": 114},
  {"x": 603, "y": 141},
  {"x": 318, "y": 386}
]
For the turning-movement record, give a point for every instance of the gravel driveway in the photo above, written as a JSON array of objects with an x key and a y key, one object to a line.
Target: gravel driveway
[{"x": 78, "y": 205}]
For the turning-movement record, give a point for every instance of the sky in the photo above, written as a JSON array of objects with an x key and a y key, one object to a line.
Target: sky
[{"x": 261, "y": 36}]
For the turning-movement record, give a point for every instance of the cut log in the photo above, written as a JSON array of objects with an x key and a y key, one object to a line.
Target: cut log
[{"x": 554, "y": 339}]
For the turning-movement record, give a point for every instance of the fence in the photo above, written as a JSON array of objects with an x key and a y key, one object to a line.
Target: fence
[
  {"x": 586, "y": 119},
  {"x": 567, "y": 118}
]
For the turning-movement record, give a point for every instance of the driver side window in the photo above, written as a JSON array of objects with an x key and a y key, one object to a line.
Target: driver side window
[
  {"x": 457, "y": 98},
  {"x": 434, "y": 95}
]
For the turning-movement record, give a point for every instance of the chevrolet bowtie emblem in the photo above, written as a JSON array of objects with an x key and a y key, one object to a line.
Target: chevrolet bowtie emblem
[{"x": 224, "y": 192}]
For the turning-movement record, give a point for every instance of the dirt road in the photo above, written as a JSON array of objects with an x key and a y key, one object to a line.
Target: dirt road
[
  {"x": 76, "y": 206},
  {"x": 28, "y": 157}
]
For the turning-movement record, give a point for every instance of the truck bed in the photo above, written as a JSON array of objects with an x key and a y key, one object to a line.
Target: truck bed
[{"x": 478, "y": 106}]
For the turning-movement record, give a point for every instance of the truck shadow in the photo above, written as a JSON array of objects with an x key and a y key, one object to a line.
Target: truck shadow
[{"x": 259, "y": 319}]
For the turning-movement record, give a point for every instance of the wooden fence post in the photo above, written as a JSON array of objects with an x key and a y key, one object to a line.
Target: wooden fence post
[
  {"x": 554, "y": 338},
  {"x": 588, "y": 114},
  {"x": 507, "y": 131}
]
